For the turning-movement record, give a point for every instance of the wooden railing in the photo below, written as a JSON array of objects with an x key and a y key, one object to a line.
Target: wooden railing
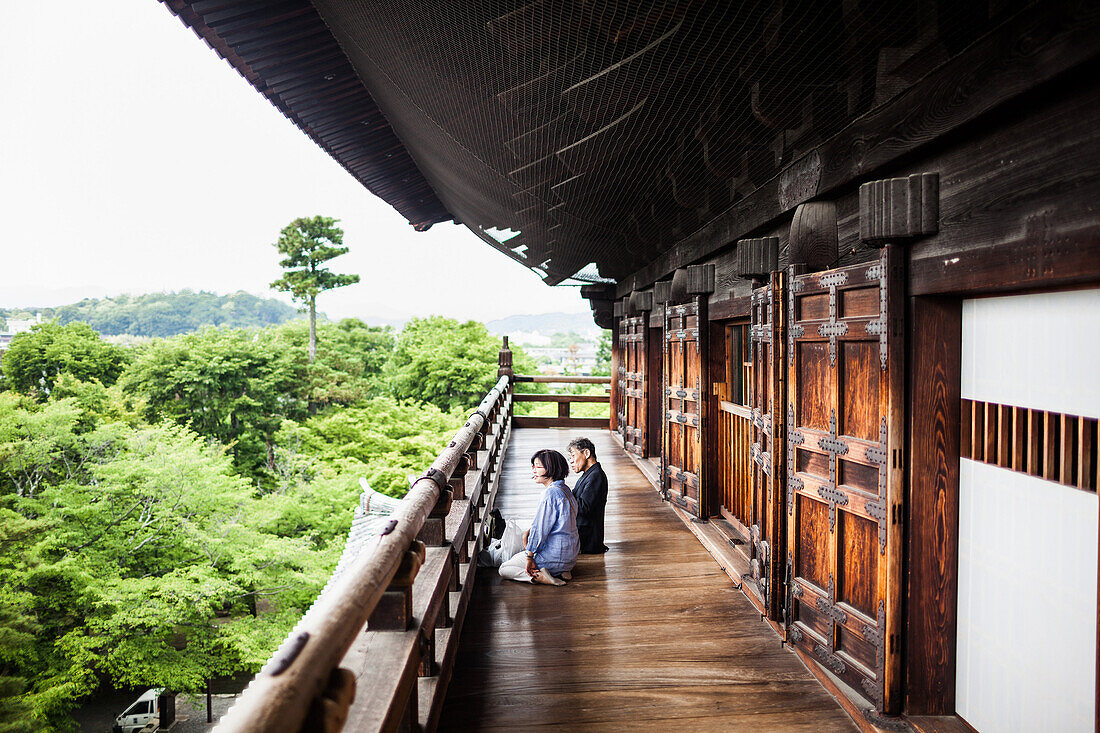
[
  {"x": 564, "y": 419},
  {"x": 735, "y": 456},
  {"x": 376, "y": 651}
]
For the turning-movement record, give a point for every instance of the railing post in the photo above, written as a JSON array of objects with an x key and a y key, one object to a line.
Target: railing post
[
  {"x": 394, "y": 609},
  {"x": 394, "y": 613},
  {"x": 504, "y": 361},
  {"x": 432, "y": 532}
]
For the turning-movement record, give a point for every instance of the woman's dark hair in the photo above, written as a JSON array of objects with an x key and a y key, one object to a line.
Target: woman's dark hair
[{"x": 557, "y": 468}]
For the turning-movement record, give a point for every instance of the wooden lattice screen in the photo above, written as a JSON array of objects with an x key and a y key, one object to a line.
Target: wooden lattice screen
[{"x": 1048, "y": 445}]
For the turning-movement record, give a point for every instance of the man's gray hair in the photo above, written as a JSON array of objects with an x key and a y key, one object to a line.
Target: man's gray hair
[{"x": 582, "y": 444}]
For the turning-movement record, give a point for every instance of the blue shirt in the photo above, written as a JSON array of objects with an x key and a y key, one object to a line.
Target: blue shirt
[{"x": 554, "y": 539}]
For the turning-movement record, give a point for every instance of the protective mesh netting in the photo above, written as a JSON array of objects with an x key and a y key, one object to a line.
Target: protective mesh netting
[{"x": 604, "y": 132}]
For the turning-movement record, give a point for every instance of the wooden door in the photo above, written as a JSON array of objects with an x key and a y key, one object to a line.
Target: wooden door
[
  {"x": 767, "y": 399},
  {"x": 635, "y": 393},
  {"x": 844, "y": 471},
  {"x": 619, "y": 351},
  {"x": 684, "y": 404}
]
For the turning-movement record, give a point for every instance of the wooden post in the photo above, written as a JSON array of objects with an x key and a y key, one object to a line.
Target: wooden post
[
  {"x": 432, "y": 531},
  {"x": 394, "y": 609},
  {"x": 504, "y": 361},
  {"x": 933, "y": 521}
]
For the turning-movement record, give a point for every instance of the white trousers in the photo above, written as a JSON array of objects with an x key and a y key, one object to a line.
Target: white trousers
[{"x": 515, "y": 568}]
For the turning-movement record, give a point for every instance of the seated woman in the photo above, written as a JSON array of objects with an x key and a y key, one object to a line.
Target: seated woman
[{"x": 552, "y": 541}]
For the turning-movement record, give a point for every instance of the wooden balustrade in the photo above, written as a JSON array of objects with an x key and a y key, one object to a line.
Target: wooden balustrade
[
  {"x": 735, "y": 457},
  {"x": 376, "y": 650},
  {"x": 564, "y": 419}
]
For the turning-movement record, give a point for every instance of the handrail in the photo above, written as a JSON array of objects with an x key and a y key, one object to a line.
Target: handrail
[
  {"x": 561, "y": 379},
  {"x": 301, "y": 675},
  {"x": 564, "y": 419}
]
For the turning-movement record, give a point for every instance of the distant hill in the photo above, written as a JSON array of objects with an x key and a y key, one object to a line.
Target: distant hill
[
  {"x": 546, "y": 324},
  {"x": 167, "y": 314}
]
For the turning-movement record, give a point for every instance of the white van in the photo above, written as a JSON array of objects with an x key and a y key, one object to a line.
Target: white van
[{"x": 143, "y": 711}]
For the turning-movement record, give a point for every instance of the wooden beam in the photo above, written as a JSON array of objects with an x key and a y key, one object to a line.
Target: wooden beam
[
  {"x": 560, "y": 379},
  {"x": 934, "y": 426},
  {"x": 595, "y": 423},
  {"x": 561, "y": 398},
  {"x": 731, "y": 307},
  {"x": 990, "y": 73}
]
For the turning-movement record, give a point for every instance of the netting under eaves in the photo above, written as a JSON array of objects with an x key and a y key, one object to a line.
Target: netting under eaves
[{"x": 604, "y": 132}]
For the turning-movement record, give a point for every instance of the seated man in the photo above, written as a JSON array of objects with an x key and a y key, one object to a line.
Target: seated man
[{"x": 591, "y": 494}]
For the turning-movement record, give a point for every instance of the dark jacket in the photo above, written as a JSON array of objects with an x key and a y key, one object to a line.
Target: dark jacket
[{"x": 591, "y": 495}]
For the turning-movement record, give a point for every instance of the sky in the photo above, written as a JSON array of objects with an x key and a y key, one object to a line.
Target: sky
[{"x": 134, "y": 160}]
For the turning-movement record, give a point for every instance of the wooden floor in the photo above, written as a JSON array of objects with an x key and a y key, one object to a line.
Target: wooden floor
[{"x": 649, "y": 636}]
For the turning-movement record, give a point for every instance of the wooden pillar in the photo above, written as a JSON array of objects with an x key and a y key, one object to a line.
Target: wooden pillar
[{"x": 933, "y": 521}]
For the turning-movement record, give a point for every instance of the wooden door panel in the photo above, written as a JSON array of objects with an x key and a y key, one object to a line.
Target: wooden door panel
[
  {"x": 682, "y": 457},
  {"x": 636, "y": 392},
  {"x": 844, "y": 497}
]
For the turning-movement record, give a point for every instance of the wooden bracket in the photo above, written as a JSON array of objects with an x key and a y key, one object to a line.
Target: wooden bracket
[
  {"x": 432, "y": 531},
  {"x": 899, "y": 208},
  {"x": 756, "y": 258},
  {"x": 394, "y": 609},
  {"x": 329, "y": 711}
]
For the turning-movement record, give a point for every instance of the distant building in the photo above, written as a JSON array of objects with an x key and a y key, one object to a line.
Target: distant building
[{"x": 15, "y": 326}]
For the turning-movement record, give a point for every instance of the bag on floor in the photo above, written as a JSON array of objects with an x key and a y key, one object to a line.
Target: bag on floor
[
  {"x": 512, "y": 540},
  {"x": 497, "y": 551}
]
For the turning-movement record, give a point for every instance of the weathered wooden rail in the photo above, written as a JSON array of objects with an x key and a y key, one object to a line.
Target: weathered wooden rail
[
  {"x": 563, "y": 419},
  {"x": 376, "y": 651}
]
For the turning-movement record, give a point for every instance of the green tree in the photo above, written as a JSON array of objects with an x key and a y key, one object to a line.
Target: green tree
[
  {"x": 36, "y": 358},
  {"x": 169, "y": 314},
  {"x": 602, "y": 367},
  {"x": 348, "y": 367},
  {"x": 446, "y": 363},
  {"x": 139, "y": 559},
  {"x": 306, "y": 245},
  {"x": 231, "y": 385},
  {"x": 382, "y": 440}
]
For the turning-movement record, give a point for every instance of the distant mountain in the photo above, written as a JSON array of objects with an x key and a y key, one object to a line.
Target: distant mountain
[
  {"x": 167, "y": 314},
  {"x": 546, "y": 324}
]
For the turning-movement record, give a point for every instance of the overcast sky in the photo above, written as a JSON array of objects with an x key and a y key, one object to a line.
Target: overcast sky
[{"x": 134, "y": 160}]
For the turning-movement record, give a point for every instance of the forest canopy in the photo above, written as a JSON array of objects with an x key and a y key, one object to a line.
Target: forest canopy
[
  {"x": 166, "y": 314},
  {"x": 168, "y": 510}
]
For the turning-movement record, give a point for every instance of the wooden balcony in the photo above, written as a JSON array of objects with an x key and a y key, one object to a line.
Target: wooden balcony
[
  {"x": 648, "y": 636},
  {"x": 652, "y": 634}
]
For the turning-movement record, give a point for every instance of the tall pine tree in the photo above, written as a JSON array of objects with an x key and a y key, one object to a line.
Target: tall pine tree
[{"x": 306, "y": 245}]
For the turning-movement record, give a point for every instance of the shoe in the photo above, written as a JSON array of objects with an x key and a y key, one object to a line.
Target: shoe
[
  {"x": 497, "y": 523},
  {"x": 543, "y": 576}
]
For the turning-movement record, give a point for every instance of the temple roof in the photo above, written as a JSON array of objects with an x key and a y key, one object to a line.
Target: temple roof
[{"x": 583, "y": 139}]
